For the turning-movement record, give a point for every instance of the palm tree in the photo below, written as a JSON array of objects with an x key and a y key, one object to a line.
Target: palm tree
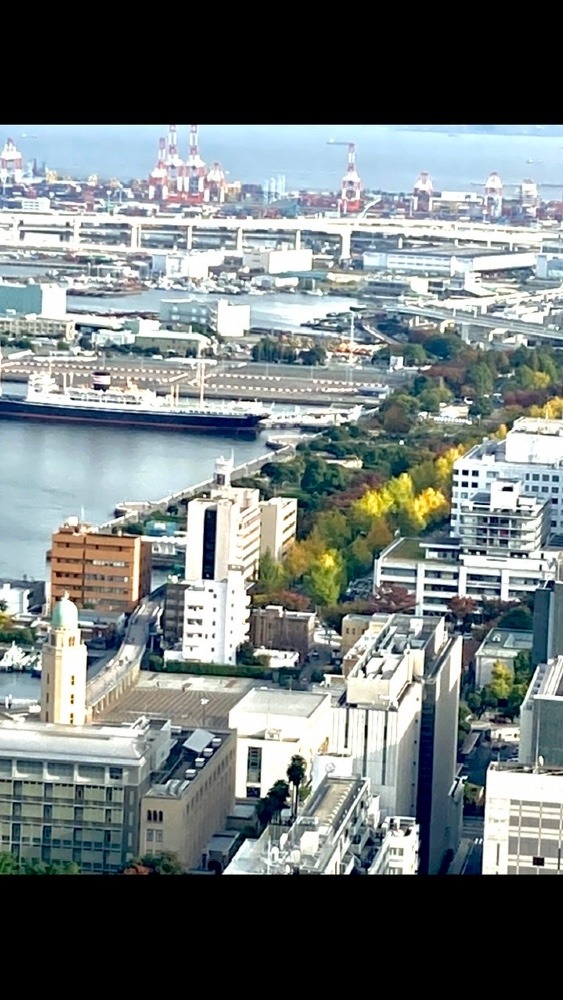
[
  {"x": 278, "y": 796},
  {"x": 296, "y": 774}
]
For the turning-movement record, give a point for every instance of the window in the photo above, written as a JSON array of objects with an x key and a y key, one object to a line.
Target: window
[
  {"x": 150, "y": 836},
  {"x": 254, "y": 765},
  {"x": 538, "y": 862},
  {"x": 72, "y": 680},
  {"x": 71, "y": 641},
  {"x": 72, "y": 699},
  {"x": 158, "y": 836}
]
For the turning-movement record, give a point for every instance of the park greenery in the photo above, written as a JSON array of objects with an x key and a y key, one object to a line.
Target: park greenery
[{"x": 11, "y": 865}]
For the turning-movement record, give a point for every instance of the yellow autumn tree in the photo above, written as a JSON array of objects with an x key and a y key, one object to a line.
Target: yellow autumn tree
[
  {"x": 301, "y": 556},
  {"x": 445, "y": 464},
  {"x": 552, "y": 410}
]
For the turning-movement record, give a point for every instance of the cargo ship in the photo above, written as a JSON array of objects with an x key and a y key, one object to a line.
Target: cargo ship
[{"x": 102, "y": 404}]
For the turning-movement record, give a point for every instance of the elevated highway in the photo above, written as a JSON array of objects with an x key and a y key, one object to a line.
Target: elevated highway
[
  {"x": 96, "y": 230},
  {"x": 499, "y": 321}
]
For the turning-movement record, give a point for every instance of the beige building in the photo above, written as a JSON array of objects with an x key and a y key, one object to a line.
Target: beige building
[
  {"x": 63, "y": 674},
  {"x": 278, "y": 518},
  {"x": 104, "y": 572},
  {"x": 191, "y": 798},
  {"x": 352, "y": 628},
  {"x": 38, "y": 326},
  {"x": 276, "y": 628},
  {"x": 273, "y": 726}
]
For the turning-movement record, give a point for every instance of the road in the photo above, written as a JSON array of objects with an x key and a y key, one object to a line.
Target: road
[
  {"x": 469, "y": 858},
  {"x": 127, "y": 656}
]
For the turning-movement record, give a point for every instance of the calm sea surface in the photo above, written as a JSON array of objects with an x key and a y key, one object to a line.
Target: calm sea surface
[{"x": 389, "y": 157}]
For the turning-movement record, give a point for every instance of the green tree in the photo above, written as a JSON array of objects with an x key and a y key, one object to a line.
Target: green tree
[
  {"x": 50, "y": 868},
  {"x": 501, "y": 681},
  {"x": 278, "y": 796},
  {"x": 326, "y": 578},
  {"x": 314, "y": 476},
  {"x": 162, "y": 863},
  {"x": 296, "y": 774},
  {"x": 396, "y": 421},
  {"x": 519, "y": 618},
  {"x": 481, "y": 377},
  {"x": 523, "y": 668},
  {"x": 334, "y": 528},
  {"x": 270, "y": 572},
  {"x": 9, "y": 864}
]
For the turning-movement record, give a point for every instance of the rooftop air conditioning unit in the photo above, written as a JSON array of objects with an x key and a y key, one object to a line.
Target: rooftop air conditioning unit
[
  {"x": 191, "y": 773},
  {"x": 199, "y": 762},
  {"x": 273, "y": 734},
  {"x": 208, "y": 752}
]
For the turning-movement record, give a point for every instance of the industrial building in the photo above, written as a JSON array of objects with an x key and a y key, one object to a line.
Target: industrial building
[
  {"x": 279, "y": 261},
  {"x": 38, "y": 298},
  {"x": 192, "y": 264},
  {"x": 104, "y": 572},
  {"x": 397, "y": 716},
  {"x": 273, "y": 726},
  {"x": 447, "y": 262},
  {"x": 523, "y": 820}
]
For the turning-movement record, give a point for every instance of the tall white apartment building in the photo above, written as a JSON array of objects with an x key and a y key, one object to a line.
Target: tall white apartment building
[
  {"x": 501, "y": 551},
  {"x": 532, "y": 452},
  {"x": 227, "y": 533},
  {"x": 523, "y": 820}
]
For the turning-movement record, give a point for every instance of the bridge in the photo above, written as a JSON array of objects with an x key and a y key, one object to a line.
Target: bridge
[
  {"x": 94, "y": 231},
  {"x": 476, "y": 318}
]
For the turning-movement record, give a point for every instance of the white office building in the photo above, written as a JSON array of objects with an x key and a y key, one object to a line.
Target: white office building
[
  {"x": 523, "y": 820},
  {"x": 273, "y": 726},
  {"x": 216, "y": 618},
  {"x": 398, "y": 718},
  {"x": 500, "y": 550}
]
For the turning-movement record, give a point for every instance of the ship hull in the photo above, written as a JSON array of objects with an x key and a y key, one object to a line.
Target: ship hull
[{"x": 21, "y": 409}]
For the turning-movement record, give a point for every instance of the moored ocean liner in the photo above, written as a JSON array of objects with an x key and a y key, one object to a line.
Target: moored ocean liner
[{"x": 131, "y": 406}]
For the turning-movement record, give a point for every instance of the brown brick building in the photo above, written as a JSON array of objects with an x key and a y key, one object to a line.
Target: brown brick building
[
  {"x": 275, "y": 628},
  {"x": 103, "y": 572}
]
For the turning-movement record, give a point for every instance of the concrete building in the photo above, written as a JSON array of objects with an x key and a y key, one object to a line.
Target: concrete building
[
  {"x": 523, "y": 820},
  {"x": 352, "y": 629},
  {"x": 227, "y": 532},
  {"x": 278, "y": 526},
  {"x": 72, "y": 793},
  {"x": 275, "y": 628},
  {"x": 447, "y": 262},
  {"x": 191, "y": 796},
  {"x": 547, "y": 622},
  {"x": 190, "y": 344},
  {"x": 501, "y": 551},
  {"x": 38, "y": 326},
  {"x": 541, "y": 716},
  {"x": 109, "y": 573},
  {"x": 279, "y": 261},
  {"x": 398, "y": 718},
  {"x": 227, "y": 319},
  {"x": 193, "y": 264},
  {"x": 39, "y": 298},
  {"x": 223, "y": 531},
  {"x": 499, "y": 646},
  {"x": 64, "y": 660},
  {"x": 532, "y": 453},
  {"x": 273, "y": 726},
  {"x": 337, "y": 833},
  {"x": 216, "y": 613}
]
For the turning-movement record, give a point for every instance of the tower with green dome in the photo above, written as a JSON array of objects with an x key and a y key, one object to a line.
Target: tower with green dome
[{"x": 63, "y": 668}]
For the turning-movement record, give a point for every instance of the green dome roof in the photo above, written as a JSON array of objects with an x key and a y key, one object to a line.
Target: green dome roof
[{"x": 65, "y": 614}]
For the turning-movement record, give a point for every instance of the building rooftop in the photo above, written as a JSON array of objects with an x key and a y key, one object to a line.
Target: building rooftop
[
  {"x": 506, "y": 641},
  {"x": 125, "y": 745},
  {"x": 187, "y": 760},
  {"x": 276, "y": 702}
]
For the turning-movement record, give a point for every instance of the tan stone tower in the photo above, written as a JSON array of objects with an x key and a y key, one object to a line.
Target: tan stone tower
[{"x": 63, "y": 671}]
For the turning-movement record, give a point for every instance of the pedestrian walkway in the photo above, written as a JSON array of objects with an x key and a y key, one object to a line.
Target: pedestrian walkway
[{"x": 458, "y": 863}]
